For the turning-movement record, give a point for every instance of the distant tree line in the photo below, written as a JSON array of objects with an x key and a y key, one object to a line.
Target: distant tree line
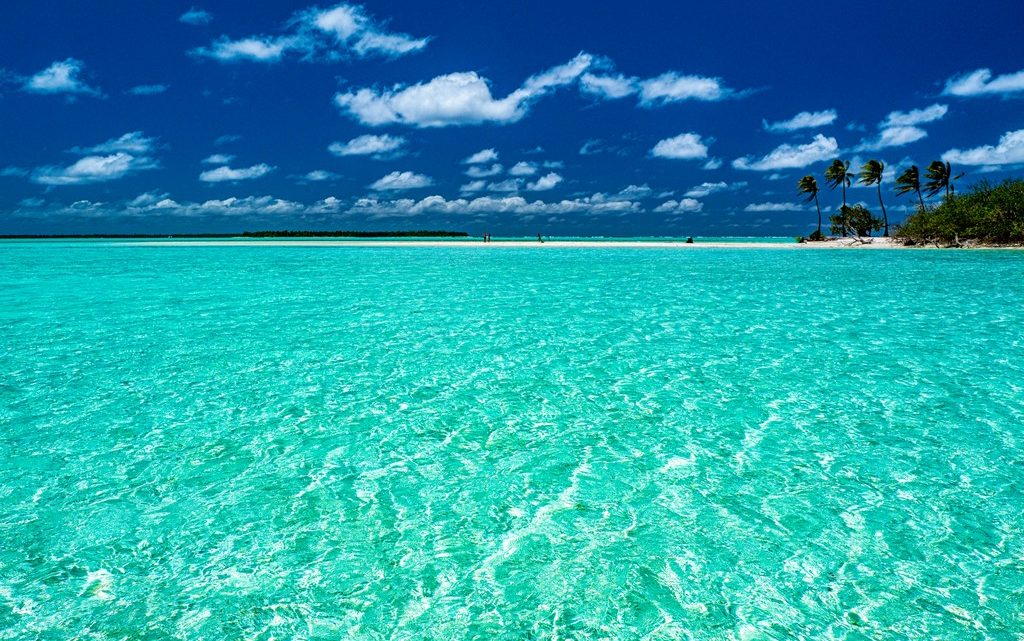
[{"x": 355, "y": 234}]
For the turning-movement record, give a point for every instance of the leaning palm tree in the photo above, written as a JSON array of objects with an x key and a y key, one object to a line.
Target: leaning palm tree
[
  {"x": 871, "y": 174},
  {"x": 808, "y": 185},
  {"x": 940, "y": 178},
  {"x": 910, "y": 181},
  {"x": 838, "y": 173}
]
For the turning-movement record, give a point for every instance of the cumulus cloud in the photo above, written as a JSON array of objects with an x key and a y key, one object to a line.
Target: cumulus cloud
[
  {"x": 462, "y": 98},
  {"x": 229, "y": 174},
  {"x": 595, "y": 204},
  {"x": 109, "y": 160},
  {"x": 134, "y": 142},
  {"x": 148, "y": 90},
  {"x": 706, "y": 189},
  {"x": 791, "y": 156},
  {"x": 196, "y": 16},
  {"x": 892, "y": 137},
  {"x": 545, "y": 182},
  {"x": 92, "y": 169},
  {"x": 712, "y": 163},
  {"x": 473, "y": 186},
  {"x": 682, "y": 147},
  {"x": 507, "y": 185},
  {"x": 368, "y": 145},
  {"x": 257, "y": 48},
  {"x": 683, "y": 206},
  {"x": 803, "y": 120},
  {"x": 319, "y": 175},
  {"x": 480, "y": 157},
  {"x": 672, "y": 87},
  {"x": 915, "y": 116},
  {"x": 523, "y": 169},
  {"x": 981, "y": 83},
  {"x": 479, "y": 171},
  {"x": 901, "y": 128},
  {"x": 218, "y": 159},
  {"x": 331, "y": 34},
  {"x": 60, "y": 77},
  {"x": 399, "y": 180},
  {"x": 1008, "y": 151},
  {"x": 763, "y": 207},
  {"x": 609, "y": 87}
]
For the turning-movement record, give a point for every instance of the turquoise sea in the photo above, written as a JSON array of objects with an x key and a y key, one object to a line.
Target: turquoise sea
[{"x": 291, "y": 443}]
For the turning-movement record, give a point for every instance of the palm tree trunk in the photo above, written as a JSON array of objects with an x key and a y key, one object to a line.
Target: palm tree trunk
[
  {"x": 842, "y": 212},
  {"x": 885, "y": 216},
  {"x": 920, "y": 199},
  {"x": 819, "y": 214}
]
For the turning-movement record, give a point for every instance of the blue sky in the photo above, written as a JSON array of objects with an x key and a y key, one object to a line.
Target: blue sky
[{"x": 596, "y": 118}]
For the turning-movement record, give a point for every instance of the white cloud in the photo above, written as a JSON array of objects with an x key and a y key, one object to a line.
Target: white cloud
[
  {"x": 257, "y": 48},
  {"x": 366, "y": 145},
  {"x": 482, "y": 156},
  {"x": 901, "y": 128},
  {"x": 196, "y": 16},
  {"x": 226, "y": 174},
  {"x": 673, "y": 87},
  {"x": 352, "y": 28},
  {"x": 523, "y": 169},
  {"x": 633, "y": 192},
  {"x": 319, "y": 175},
  {"x": 712, "y": 163},
  {"x": 218, "y": 159},
  {"x": 462, "y": 98},
  {"x": 507, "y": 185},
  {"x": 803, "y": 120},
  {"x": 981, "y": 83},
  {"x": 473, "y": 186},
  {"x": 608, "y": 87},
  {"x": 545, "y": 182},
  {"x": 596, "y": 204},
  {"x": 791, "y": 156},
  {"x": 892, "y": 137},
  {"x": 706, "y": 189},
  {"x": 398, "y": 180},
  {"x": 763, "y": 207},
  {"x": 314, "y": 34},
  {"x": 476, "y": 171},
  {"x": 110, "y": 160},
  {"x": 148, "y": 90},
  {"x": 92, "y": 169},
  {"x": 682, "y": 147},
  {"x": 683, "y": 206},
  {"x": 134, "y": 142},
  {"x": 60, "y": 77},
  {"x": 915, "y": 116},
  {"x": 1009, "y": 150}
]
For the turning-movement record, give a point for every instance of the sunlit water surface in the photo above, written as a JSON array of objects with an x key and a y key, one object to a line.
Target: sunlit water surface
[{"x": 290, "y": 443}]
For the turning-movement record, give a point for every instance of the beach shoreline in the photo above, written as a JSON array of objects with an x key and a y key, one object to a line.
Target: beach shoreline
[{"x": 845, "y": 243}]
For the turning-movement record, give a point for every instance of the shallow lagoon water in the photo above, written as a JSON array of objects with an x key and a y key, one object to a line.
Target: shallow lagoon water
[{"x": 449, "y": 443}]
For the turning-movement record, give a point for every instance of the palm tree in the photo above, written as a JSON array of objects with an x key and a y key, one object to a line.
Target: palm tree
[
  {"x": 808, "y": 185},
  {"x": 871, "y": 174},
  {"x": 838, "y": 173},
  {"x": 910, "y": 181},
  {"x": 940, "y": 177}
]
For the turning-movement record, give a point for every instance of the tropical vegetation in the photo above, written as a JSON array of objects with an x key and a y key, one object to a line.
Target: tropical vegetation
[{"x": 988, "y": 213}]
